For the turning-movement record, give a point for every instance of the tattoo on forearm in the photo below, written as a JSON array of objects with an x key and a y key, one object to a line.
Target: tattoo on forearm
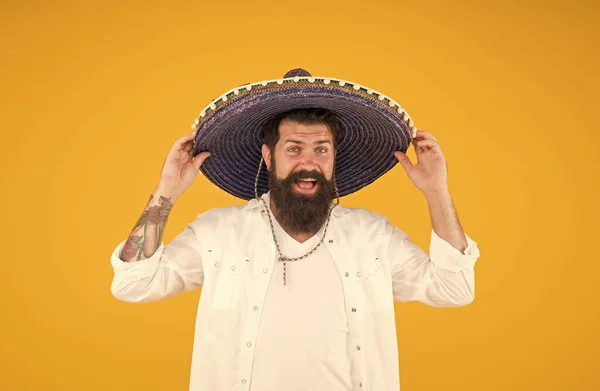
[{"x": 150, "y": 225}]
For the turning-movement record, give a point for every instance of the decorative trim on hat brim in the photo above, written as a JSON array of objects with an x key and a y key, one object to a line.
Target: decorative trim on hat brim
[{"x": 304, "y": 80}]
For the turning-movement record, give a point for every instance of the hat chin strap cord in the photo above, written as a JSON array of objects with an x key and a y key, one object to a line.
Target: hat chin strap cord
[
  {"x": 337, "y": 194},
  {"x": 256, "y": 180}
]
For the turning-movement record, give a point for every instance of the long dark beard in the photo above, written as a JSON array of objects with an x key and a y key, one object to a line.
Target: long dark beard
[{"x": 300, "y": 213}]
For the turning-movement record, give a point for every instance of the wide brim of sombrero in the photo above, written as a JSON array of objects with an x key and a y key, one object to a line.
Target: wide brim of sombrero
[{"x": 373, "y": 127}]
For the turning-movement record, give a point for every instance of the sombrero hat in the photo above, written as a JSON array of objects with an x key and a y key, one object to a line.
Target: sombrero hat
[{"x": 372, "y": 128}]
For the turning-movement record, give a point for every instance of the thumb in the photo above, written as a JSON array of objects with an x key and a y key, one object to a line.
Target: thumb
[
  {"x": 404, "y": 160},
  {"x": 199, "y": 159}
]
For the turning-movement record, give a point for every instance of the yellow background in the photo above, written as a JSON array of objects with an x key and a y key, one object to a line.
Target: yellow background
[{"x": 93, "y": 95}]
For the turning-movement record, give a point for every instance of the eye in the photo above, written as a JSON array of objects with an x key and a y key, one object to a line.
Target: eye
[
  {"x": 293, "y": 149},
  {"x": 321, "y": 149}
]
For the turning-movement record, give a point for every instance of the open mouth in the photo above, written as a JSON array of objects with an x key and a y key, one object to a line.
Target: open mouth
[{"x": 305, "y": 185}]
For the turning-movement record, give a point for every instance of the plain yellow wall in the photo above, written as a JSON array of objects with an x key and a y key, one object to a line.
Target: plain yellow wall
[{"x": 93, "y": 95}]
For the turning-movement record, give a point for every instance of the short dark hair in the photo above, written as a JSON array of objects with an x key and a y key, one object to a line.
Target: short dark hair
[{"x": 309, "y": 116}]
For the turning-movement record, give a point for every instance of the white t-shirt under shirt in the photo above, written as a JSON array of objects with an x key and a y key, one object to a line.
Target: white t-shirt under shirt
[{"x": 302, "y": 341}]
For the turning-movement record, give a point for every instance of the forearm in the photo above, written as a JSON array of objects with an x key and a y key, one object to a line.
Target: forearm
[
  {"x": 445, "y": 221},
  {"x": 146, "y": 236}
]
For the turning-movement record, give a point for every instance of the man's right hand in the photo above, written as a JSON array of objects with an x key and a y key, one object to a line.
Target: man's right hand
[{"x": 180, "y": 167}]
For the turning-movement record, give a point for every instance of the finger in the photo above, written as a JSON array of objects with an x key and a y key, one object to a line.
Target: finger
[
  {"x": 421, "y": 134},
  {"x": 199, "y": 159},
  {"x": 428, "y": 143},
  {"x": 182, "y": 140},
  {"x": 189, "y": 146},
  {"x": 404, "y": 160},
  {"x": 418, "y": 149}
]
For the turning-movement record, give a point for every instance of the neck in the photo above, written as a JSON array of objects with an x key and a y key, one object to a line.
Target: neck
[{"x": 300, "y": 237}]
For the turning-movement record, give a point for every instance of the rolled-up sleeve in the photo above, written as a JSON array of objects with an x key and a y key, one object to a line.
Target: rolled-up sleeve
[
  {"x": 443, "y": 278},
  {"x": 172, "y": 269}
]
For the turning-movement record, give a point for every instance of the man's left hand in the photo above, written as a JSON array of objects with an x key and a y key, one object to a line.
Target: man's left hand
[{"x": 430, "y": 174}]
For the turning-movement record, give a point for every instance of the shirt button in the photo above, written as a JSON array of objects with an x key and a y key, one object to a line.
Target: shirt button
[
  {"x": 255, "y": 308},
  {"x": 330, "y": 241},
  {"x": 353, "y": 309},
  {"x": 358, "y": 348},
  {"x": 233, "y": 268},
  {"x": 347, "y": 274},
  {"x": 360, "y": 384},
  {"x": 249, "y": 344},
  {"x": 265, "y": 270},
  {"x": 216, "y": 264},
  {"x": 359, "y": 274},
  {"x": 243, "y": 381}
]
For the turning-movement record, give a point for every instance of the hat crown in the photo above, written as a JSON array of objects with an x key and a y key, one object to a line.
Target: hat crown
[{"x": 297, "y": 72}]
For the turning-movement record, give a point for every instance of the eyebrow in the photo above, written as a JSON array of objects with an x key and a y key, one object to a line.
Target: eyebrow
[{"x": 302, "y": 142}]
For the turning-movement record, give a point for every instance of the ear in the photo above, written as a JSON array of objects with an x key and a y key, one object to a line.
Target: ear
[{"x": 266, "y": 154}]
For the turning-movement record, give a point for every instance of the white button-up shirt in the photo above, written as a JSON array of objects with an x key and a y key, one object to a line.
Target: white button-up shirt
[{"x": 230, "y": 253}]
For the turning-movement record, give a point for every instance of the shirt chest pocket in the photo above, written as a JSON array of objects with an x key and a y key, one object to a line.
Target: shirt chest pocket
[
  {"x": 228, "y": 275},
  {"x": 374, "y": 288}
]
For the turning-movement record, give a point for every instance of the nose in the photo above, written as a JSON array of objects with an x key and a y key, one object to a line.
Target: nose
[{"x": 308, "y": 162}]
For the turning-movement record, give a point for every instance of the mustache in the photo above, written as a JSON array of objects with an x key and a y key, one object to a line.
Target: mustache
[{"x": 305, "y": 174}]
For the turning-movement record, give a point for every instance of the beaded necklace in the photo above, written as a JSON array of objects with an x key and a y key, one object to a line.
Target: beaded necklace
[{"x": 283, "y": 258}]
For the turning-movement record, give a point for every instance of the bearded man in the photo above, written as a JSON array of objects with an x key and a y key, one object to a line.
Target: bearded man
[{"x": 297, "y": 291}]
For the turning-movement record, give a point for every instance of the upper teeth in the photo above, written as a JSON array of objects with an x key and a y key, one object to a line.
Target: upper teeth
[{"x": 307, "y": 180}]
